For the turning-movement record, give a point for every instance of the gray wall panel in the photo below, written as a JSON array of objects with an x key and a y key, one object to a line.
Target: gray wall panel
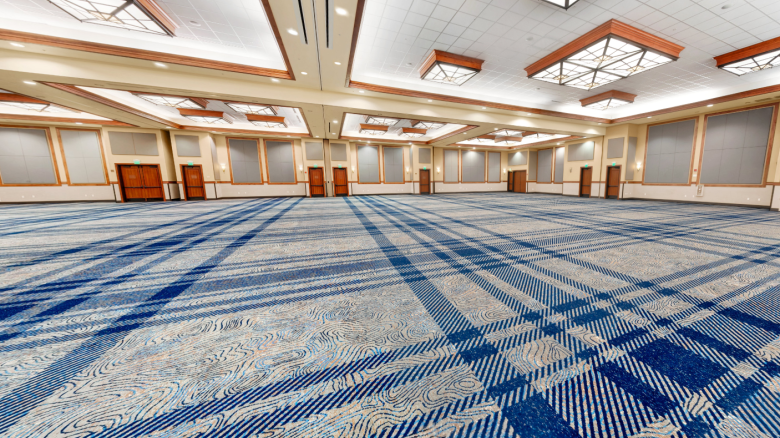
[
  {"x": 582, "y": 151},
  {"x": 518, "y": 158},
  {"x": 145, "y": 144},
  {"x": 425, "y": 155},
  {"x": 83, "y": 157},
  {"x": 281, "y": 164},
  {"x": 669, "y": 151},
  {"x": 735, "y": 147},
  {"x": 25, "y": 157},
  {"x": 615, "y": 147},
  {"x": 544, "y": 168},
  {"x": 450, "y": 166},
  {"x": 494, "y": 166},
  {"x": 244, "y": 161},
  {"x": 394, "y": 164},
  {"x": 473, "y": 166},
  {"x": 631, "y": 158},
  {"x": 338, "y": 152},
  {"x": 133, "y": 143},
  {"x": 368, "y": 164},
  {"x": 533, "y": 159},
  {"x": 187, "y": 145},
  {"x": 314, "y": 150},
  {"x": 559, "y": 154}
]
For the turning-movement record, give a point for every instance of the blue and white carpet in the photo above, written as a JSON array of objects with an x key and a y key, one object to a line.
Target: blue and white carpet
[{"x": 472, "y": 315}]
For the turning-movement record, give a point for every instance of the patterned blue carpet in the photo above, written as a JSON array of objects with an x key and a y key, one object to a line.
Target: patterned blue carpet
[{"x": 473, "y": 315}]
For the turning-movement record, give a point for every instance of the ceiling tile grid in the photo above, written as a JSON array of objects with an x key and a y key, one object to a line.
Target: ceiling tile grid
[{"x": 509, "y": 35}]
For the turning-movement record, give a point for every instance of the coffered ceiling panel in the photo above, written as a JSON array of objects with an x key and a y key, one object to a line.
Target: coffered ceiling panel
[
  {"x": 236, "y": 31},
  {"x": 396, "y": 36}
]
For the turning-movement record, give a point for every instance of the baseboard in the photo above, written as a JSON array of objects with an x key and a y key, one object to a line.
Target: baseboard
[{"x": 59, "y": 202}]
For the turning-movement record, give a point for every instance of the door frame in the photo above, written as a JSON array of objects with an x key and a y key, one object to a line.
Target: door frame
[
  {"x": 579, "y": 192},
  {"x": 419, "y": 184},
  {"x": 122, "y": 187},
  {"x": 324, "y": 184},
  {"x": 184, "y": 181},
  {"x": 619, "y": 167},
  {"x": 334, "y": 180}
]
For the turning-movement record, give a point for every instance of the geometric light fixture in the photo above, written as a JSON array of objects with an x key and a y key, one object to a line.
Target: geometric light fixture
[
  {"x": 248, "y": 108},
  {"x": 509, "y": 141},
  {"x": 174, "y": 101},
  {"x": 449, "y": 68},
  {"x": 413, "y": 132},
  {"x": 140, "y": 15},
  {"x": 565, "y": 4},
  {"x": 266, "y": 121},
  {"x": 427, "y": 125},
  {"x": 203, "y": 116},
  {"x": 508, "y": 133},
  {"x": 31, "y": 104},
  {"x": 384, "y": 121},
  {"x": 761, "y": 56},
  {"x": 610, "y": 99},
  {"x": 486, "y": 139},
  {"x": 373, "y": 129},
  {"x": 610, "y": 52}
]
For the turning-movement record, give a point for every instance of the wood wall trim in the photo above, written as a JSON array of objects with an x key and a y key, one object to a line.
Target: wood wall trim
[
  {"x": 449, "y": 58},
  {"x": 355, "y": 34},
  {"x": 12, "y": 97},
  {"x": 611, "y": 27},
  {"x": 148, "y": 55},
  {"x": 611, "y": 94},
  {"x": 72, "y": 89},
  {"x": 263, "y": 118},
  {"x": 467, "y": 101},
  {"x": 747, "y": 52},
  {"x": 272, "y": 22},
  {"x": 31, "y": 118},
  {"x": 200, "y": 113}
]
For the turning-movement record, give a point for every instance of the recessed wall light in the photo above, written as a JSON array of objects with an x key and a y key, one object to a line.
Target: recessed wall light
[
  {"x": 335, "y": 121},
  {"x": 274, "y": 80},
  {"x": 304, "y": 73},
  {"x": 429, "y": 100},
  {"x": 30, "y": 82},
  {"x": 484, "y": 107},
  {"x": 337, "y": 63},
  {"x": 17, "y": 45},
  {"x": 341, "y": 11},
  {"x": 79, "y": 123},
  {"x": 649, "y": 117},
  {"x": 160, "y": 64},
  {"x": 361, "y": 91},
  {"x": 709, "y": 105},
  {"x": 292, "y": 31}
]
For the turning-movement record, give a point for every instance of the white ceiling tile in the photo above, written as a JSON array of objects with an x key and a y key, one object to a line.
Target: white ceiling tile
[
  {"x": 452, "y": 4},
  {"x": 473, "y": 7},
  {"x": 421, "y": 7},
  {"x": 492, "y": 13},
  {"x": 435, "y": 24},
  {"x": 428, "y": 34},
  {"x": 415, "y": 19},
  {"x": 453, "y": 29},
  {"x": 481, "y": 24},
  {"x": 409, "y": 30},
  {"x": 463, "y": 19},
  {"x": 472, "y": 34},
  {"x": 443, "y": 13}
]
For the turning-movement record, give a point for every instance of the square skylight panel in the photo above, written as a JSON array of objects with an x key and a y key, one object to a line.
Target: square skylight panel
[
  {"x": 124, "y": 14},
  {"x": 208, "y": 119},
  {"x": 246, "y": 108},
  {"x": 172, "y": 101},
  {"x": 384, "y": 121},
  {"x": 268, "y": 124},
  {"x": 432, "y": 126},
  {"x": 27, "y": 105}
]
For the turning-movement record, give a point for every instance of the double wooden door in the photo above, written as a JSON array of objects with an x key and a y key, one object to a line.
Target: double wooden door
[
  {"x": 316, "y": 182},
  {"x": 586, "y": 178},
  {"x": 519, "y": 181},
  {"x": 194, "y": 187},
  {"x": 613, "y": 182},
  {"x": 425, "y": 182},
  {"x": 340, "y": 182},
  {"x": 140, "y": 182}
]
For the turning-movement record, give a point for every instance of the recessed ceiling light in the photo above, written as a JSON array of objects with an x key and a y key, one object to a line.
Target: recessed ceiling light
[
  {"x": 274, "y": 80},
  {"x": 484, "y": 107},
  {"x": 429, "y": 100},
  {"x": 304, "y": 73},
  {"x": 337, "y": 63},
  {"x": 335, "y": 121},
  {"x": 160, "y": 64},
  {"x": 194, "y": 23},
  {"x": 495, "y": 129},
  {"x": 17, "y": 45},
  {"x": 361, "y": 91},
  {"x": 292, "y": 31},
  {"x": 79, "y": 123},
  {"x": 530, "y": 38},
  {"x": 649, "y": 117},
  {"x": 709, "y": 105},
  {"x": 333, "y": 133},
  {"x": 341, "y": 11},
  {"x": 29, "y": 82},
  {"x": 317, "y": 136}
]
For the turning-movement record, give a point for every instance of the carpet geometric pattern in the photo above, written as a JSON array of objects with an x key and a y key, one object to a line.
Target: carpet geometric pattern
[{"x": 468, "y": 315}]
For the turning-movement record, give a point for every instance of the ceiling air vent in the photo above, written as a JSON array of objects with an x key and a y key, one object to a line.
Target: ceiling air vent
[{"x": 301, "y": 21}]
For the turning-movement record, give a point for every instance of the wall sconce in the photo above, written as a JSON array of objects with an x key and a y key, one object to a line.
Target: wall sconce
[
  {"x": 638, "y": 165},
  {"x": 407, "y": 168},
  {"x": 353, "y": 169},
  {"x": 222, "y": 165},
  {"x": 505, "y": 170},
  {"x": 438, "y": 169},
  {"x": 300, "y": 167}
]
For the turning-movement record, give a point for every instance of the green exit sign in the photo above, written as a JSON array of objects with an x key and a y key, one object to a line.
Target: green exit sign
[
  {"x": 136, "y": 161},
  {"x": 189, "y": 163},
  {"x": 614, "y": 164},
  {"x": 315, "y": 166},
  {"x": 586, "y": 165},
  {"x": 425, "y": 168},
  {"x": 339, "y": 166}
]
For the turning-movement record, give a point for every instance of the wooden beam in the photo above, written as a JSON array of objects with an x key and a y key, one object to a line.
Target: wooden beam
[
  {"x": 747, "y": 52},
  {"x": 612, "y": 94}
]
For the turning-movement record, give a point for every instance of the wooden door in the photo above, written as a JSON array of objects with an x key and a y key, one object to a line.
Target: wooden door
[
  {"x": 140, "y": 182},
  {"x": 340, "y": 182},
  {"x": 194, "y": 187},
  {"x": 316, "y": 182},
  {"x": 510, "y": 184},
  {"x": 520, "y": 181},
  {"x": 586, "y": 177},
  {"x": 613, "y": 182},
  {"x": 425, "y": 182}
]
